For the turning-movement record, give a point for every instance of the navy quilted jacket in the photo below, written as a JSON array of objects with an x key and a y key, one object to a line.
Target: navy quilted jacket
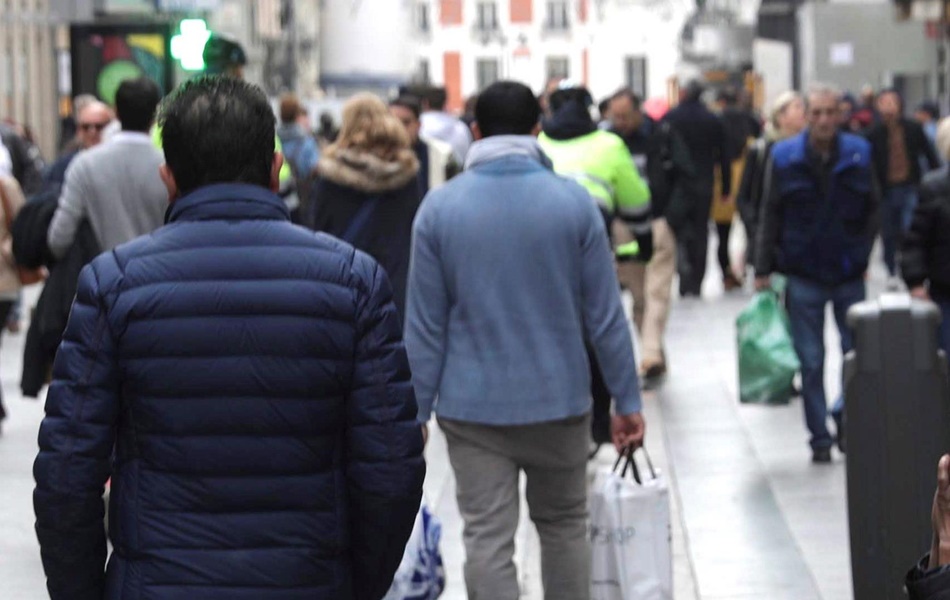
[{"x": 244, "y": 383}]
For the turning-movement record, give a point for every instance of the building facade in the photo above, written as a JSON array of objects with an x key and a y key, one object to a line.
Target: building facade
[
  {"x": 605, "y": 44},
  {"x": 281, "y": 38},
  {"x": 365, "y": 45},
  {"x": 30, "y": 32}
]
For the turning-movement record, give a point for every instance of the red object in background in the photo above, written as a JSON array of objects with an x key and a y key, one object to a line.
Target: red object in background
[
  {"x": 656, "y": 107},
  {"x": 452, "y": 75},
  {"x": 115, "y": 48}
]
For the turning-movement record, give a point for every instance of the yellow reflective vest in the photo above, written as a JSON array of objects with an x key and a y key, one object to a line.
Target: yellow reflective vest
[{"x": 601, "y": 163}]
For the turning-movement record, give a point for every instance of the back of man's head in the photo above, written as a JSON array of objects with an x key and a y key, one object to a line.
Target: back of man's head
[
  {"x": 290, "y": 108},
  {"x": 135, "y": 103},
  {"x": 435, "y": 98},
  {"x": 218, "y": 130},
  {"x": 507, "y": 108},
  {"x": 694, "y": 90}
]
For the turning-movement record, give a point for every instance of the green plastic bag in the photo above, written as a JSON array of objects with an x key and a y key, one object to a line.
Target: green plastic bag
[{"x": 767, "y": 359}]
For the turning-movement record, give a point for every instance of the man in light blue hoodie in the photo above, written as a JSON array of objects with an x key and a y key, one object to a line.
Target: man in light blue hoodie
[{"x": 510, "y": 273}]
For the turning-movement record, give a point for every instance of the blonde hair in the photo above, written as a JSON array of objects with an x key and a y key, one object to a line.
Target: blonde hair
[
  {"x": 781, "y": 103},
  {"x": 368, "y": 127},
  {"x": 943, "y": 138}
]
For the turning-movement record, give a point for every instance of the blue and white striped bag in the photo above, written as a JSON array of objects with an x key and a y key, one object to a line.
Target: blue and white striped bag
[{"x": 420, "y": 575}]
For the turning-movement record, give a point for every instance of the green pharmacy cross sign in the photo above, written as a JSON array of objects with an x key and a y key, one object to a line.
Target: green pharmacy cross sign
[{"x": 188, "y": 45}]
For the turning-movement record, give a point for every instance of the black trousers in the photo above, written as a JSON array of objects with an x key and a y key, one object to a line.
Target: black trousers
[
  {"x": 600, "y": 414},
  {"x": 5, "y": 307},
  {"x": 722, "y": 232},
  {"x": 693, "y": 245}
]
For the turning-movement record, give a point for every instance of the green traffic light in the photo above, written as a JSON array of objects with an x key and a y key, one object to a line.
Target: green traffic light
[{"x": 189, "y": 44}]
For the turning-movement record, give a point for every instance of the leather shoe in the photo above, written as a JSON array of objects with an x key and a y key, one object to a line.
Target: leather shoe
[
  {"x": 821, "y": 455},
  {"x": 652, "y": 370}
]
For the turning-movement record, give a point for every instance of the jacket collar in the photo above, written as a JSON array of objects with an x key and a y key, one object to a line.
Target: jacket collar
[
  {"x": 228, "y": 201},
  {"x": 844, "y": 156}
]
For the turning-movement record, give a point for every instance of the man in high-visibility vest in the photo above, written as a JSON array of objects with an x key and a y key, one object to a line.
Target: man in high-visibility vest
[{"x": 600, "y": 162}]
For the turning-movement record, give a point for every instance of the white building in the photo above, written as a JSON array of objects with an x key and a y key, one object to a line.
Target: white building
[
  {"x": 281, "y": 38},
  {"x": 606, "y": 44},
  {"x": 365, "y": 45}
]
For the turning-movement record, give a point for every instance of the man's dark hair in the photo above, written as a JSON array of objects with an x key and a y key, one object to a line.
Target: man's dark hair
[
  {"x": 410, "y": 103},
  {"x": 218, "y": 130},
  {"x": 507, "y": 108},
  {"x": 930, "y": 108},
  {"x": 436, "y": 97},
  {"x": 135, "y": 103},
  {"x": 694, "y": 90},
  {"x": 577, "y": 95},
  {"x": 728, "y": 96},
  {"x": 629, "y": 95}
]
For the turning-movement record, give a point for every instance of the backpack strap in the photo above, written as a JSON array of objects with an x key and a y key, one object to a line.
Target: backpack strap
[{"x": 359, "y": 220}]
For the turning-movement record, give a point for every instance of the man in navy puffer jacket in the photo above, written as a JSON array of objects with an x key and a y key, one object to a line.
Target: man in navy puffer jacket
[{"x": 244, "y": 383}]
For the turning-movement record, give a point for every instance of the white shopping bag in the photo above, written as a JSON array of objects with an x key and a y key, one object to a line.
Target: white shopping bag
[
  {"x": 420, "y": 575},
  {"x": 630, "y": 534}
]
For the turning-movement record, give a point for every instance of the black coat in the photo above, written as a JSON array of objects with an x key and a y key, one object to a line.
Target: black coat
[
  {"x": 52, "y": 311},
  {"x": 925, "y": 252},
  {"x": 750, "y": 195},
  {"x": 665, "y": 162},
  {"x": 917, "y": 146},
  {"x": 928, "y": 584},
  {"x": 346, "y": 181},
  {"x": 705, "y": 139}
]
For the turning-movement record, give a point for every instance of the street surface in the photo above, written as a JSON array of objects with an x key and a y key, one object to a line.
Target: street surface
[{"x": 752, "y": 517}]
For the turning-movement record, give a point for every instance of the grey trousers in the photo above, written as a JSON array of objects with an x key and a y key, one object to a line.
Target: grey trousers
[{"x": 487, "y": 461}]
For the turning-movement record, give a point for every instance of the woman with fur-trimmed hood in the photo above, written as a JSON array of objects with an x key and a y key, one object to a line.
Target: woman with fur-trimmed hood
[{"x": 367, "y": 192}]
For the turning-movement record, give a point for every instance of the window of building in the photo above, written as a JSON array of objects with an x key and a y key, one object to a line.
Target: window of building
[
  {"x": 558, "y": 15},
  {"x": 635, "y": 74},
  {"x": 558, "y": 67},
  {"x": 422, "y": 71},
  {"x": 486, "y": 72},
  {"x": 487, "y": 16},
  {"x": 422, "y": 17}
]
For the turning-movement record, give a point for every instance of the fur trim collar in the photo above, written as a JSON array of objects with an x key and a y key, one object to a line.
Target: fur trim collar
[{"x": 367, "y": 172}]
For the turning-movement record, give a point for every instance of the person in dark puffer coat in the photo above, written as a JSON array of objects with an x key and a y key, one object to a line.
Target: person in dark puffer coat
[{"x": 244, "y": 383}]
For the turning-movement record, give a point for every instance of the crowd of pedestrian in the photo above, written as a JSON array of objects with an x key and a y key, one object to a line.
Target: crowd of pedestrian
[{"x": 237, "y": 304}]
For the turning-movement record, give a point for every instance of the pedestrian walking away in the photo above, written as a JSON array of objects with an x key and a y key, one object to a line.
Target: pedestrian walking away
[
  {"x": 818, "y": 224},
  {"x": 705, "y": 139},
  {"x": 601, "y": 163},
  {"x": 368, "y": 192},
  {"x": 308, "y": 483},
  {"x": 496, "y": 335}
]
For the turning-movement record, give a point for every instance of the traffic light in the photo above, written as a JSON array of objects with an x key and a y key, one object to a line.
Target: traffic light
[{"x": 189, "y": 44}]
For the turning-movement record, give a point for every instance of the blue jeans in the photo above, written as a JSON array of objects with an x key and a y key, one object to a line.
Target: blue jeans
[
  {"x": 806, "y": 311},
  {"x": 897, "y": 213}
]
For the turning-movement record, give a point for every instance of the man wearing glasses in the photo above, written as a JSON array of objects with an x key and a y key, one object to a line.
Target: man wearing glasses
[
  {"x": 92, "y": 117},
  {"x": 116, "y": 186},
  {"x": 819, "y": 223}
]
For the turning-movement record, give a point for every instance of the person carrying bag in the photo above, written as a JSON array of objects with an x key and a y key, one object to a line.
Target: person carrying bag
[{"x": 630, "y": 533}]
